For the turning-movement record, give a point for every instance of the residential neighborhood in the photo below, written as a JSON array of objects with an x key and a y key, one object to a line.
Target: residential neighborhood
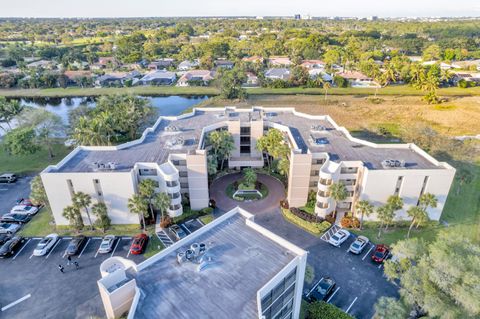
[{"x": 269, "y": 160}]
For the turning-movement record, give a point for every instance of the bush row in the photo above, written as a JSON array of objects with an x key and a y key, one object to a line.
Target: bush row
[{"x": 312, "y": 227}]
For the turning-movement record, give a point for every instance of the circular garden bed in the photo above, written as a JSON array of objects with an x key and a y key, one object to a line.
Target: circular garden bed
[{"x": 241, "y": 191}]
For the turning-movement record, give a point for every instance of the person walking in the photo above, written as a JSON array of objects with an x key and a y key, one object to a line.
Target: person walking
[
  {"x": 76, "y": 265},
  {"x": 61, "y": 268},
  {"x": 69, "y": 260}
]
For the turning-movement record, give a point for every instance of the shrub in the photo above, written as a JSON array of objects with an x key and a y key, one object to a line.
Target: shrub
[
  {"x": 303, "y": 215},
  {"x": 312, "y": 227},
  {"x": 284, "y": 204},
  {"x": 206, "y": 211},
  {"x": 350, "y": 222},
  {"x": 329, "y": 218},
  {"x": 166, "y": 221},
  {"x": 323, "y": 310}
]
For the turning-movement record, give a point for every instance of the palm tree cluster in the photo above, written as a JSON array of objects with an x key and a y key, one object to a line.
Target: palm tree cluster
[
  {"x": 273, "y": 145},
  {"x": 82, "y": 201},
  {"x": 222, "y": 146},
  {"x": 115, "y": 118}
]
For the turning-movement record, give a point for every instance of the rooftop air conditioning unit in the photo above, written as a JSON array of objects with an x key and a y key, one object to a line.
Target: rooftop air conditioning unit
[
  {"x": 181, "y": 258},
  {"x": 112, "y": 165}
]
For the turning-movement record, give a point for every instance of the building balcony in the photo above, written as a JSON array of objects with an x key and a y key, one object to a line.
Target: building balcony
[
  {"x": 175, "y": 210},
  {"x": 325, "y": 181},
  {"x": 173, "y": 187}
]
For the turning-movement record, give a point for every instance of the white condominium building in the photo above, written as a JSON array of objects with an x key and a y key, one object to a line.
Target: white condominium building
[{"x": 174, "y": 154}]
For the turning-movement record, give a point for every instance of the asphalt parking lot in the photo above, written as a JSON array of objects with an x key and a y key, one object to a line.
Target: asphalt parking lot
[
  {"x": 168, "y": 238},
  {"x": 9, "y": 193},
  {"x": 33, "y": 287},
  {"x": 360, "y": 282}
]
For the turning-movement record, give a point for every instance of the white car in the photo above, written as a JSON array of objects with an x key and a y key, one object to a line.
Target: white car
[
  {"x": 339, "y": 237},
  {"x": 358, "y": 245},
  {"x": 8, "y": 228},
  {"x": 24, "y": 209},
  {"x": 107, "y": 244},
  {"x": 45, "y": 245}
]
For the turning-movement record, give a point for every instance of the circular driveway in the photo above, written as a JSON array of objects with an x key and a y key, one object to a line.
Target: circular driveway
[{"x": 276, "y": 193}]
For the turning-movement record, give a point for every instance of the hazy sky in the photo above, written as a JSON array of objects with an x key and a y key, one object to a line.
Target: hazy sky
[{"x": 160, "y": 8}]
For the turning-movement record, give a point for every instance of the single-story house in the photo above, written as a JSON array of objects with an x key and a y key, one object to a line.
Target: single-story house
[
  {"x": 253, "y": 59},
  {"x": 252, "y": 80},
  {"x": 279, "y": 61},
  {"x": 315, "y": 73},
  {"x": 443, "y": 65},
  {"x": 203, "y": 77},
  {"x": 313, "y": 64},
  {"x": 220, "y": 63},
  {"x": 105, "y": 62},
  {"x": 117, "y": 78},
  {"x": 188, "y": 65},
  {"x": 278, "y": 74},
  {"x": 161, "y": 64},
  {"x": 469, "y": 77},
  {"x": 45, "y": 64},
  {"x": 358, "y": 79},
  {"x": 467, "y": 64},
  {"x": 159, "y": 77}
]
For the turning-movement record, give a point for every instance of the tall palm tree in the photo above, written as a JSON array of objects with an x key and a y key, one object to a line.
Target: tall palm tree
[
  {"x": 326, "y": 87},
  {"x": 74, "y": 217},
  {"x": 365, "y": 208},
  {"x": 419, "y": 216},
  {"x": 338, "y": 192},
  {"x": 162, "y": 202},
  {"x": 100, "y": 210},
  {"x": 146, "y": 189},
  {"x": 138, "y": 205},
  {"x": 249, "y": 176},
  {"x": 82, "y": 200},
  {"x": 427, "y": 200},
  {"x": 394, "y": 202},
  {"x": 385, "y": 214}
]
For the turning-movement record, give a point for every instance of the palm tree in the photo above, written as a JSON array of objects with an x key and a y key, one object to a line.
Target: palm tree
[
  {"x": 338, "y": 192},
  {"x": 82, "y": 200},
  {"x": 138, "y": 205},
  {"x": 326, "y": 87},
  {"x": 364, "y": 208},
  {"x": 385, "y": 215},
  {"x": 162, "y": 202},
  {"x": 394, "y": 202},
  {"x": 249, "y": 176},
  {"x": 222, "y": 144},
  {"x": 146, "y": 189},
  {"x": 419, "y": 216},
  {"x": 74, "y": 217},
  {"x": 427, "y": 200},
  {"x": 100, "y": 210}
]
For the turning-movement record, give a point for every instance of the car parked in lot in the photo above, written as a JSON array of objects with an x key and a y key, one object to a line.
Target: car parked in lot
[
  {"x": 323, "y": 289},
  {"x": 8, "y": 178},
  {"x": 4, "y": 238},
  {"x": 381, "y": 253},
  {"x": 75, "y": 245},
  {"x": 24, "y": 209},
  {"x": 178, "y": 232},
  {"x": 11, "y": 246},
  {"x": 26, "y": 202},
  {"x": 339, "y": 237},
  {"x": 15, "y": 218},
  {"x": 45, "y": 245},
  {"x": 139, "y": 244},
  {"x": 106, "y": 245},
  {"x": 358, "y": 245},
  {"x": 9, "y": 228}
]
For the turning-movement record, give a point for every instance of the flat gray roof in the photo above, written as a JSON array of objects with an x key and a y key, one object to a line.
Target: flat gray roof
[
  {"x": 243, "y": 262},
  {"x": 158, "y": 144}
]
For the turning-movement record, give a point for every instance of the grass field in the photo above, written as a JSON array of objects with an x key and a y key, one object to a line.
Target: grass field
[
  {"x": 403, "y": 90},
  {"x": 31, "y": 163}
]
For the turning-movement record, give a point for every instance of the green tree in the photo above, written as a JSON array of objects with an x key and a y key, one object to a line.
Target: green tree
[
  {"x": 8, "y": 111},
  {"x": 103, "y": 220},
  {"x": 419, "y": 215},
  {"x": 38, "y": 196},
  {"x": 432, "y": 53},
  {"x": 162, "y": 202},
  {"x": 390, "y": 308},
  {"x": 21, "y": 141},
  {"x": 74, "y": 217},
  {"x": 212, "y": 164},
  {"x": 326, "y": 87},
  {"x": 231, "y": 84},
  {"x": 395, "y": 203},
  {"x": 249, "y": 176},
  {"x": 82, "y": 200},
  {"x": 385, "y": 214},
  {"x": 364, "y": 208},
  {"x": 222, "y": 145},
  {"x": 427, "y": 200},
  {"x": 323, "y": 310},
  {"x": 271, "y": 143},
  {"x": 338, "y": 192},
  {"x": 137, "y": 204},
  {"x": 146, "y": 189}
]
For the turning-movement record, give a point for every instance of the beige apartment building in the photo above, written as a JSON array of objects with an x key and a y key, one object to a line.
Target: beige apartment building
[{"x": 174, "y": 153}]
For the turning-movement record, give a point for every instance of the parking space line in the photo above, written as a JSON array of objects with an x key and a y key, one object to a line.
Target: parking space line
[
  {"x": 349, "y": 307},
  {"x": 10, "y": 305},
  {"x": 118, "y": 241},
  {"x": 185, "y": 228},
  {"x": 368, "y": 252},
  {"x": 21, "y": 249},
  {"x": 58, "y": 241},
  {"x": 84, "y": 248},
  {"x": 128, "y": 254},
  {"x": 200, "y": 222},
  {"x": 338, "y": 288},
  {"x": 380, "y": 266},
  {"x": 315, "y": 286}
]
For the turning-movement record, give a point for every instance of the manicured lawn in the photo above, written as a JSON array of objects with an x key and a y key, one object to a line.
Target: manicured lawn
[
  {"x": 206, "y": 219},
  {"x": 31, "y": 163},
  {"x": 154, "y": 244},
  {"x": 392, "y": 235}
]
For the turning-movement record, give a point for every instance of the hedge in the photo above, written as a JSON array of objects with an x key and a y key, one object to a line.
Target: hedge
[
  {"x": 323, "y": 310},
  {"x": 312, "y": 227}
]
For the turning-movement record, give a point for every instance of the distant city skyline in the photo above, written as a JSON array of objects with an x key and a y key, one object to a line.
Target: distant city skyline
[{"x": 317, "y": 8}]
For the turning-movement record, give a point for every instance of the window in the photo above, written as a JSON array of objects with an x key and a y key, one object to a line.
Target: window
[
  {"x": 172, "y": 184},
  {"x": 314, "y": 173},
  {"x": 179, "y": 162},
  {"x": 348, "y": 182},
  {"x": 422, "y": 191},
  {"x": 322, "y": 205},
  {"x": 325, "y": 181},
  {"x": 176, "y": 162},
  {"x": 175, "y": 207},
  {"x": 174, "y": 195},
  {"x": 348, "y": 170},
  {"x": 318, "y": 161},
  {"x": 278, "y": 303},
  {"x": 184, "y": 185},
  {"x": 70, "y": 187},
  {"x": 245, "y": 140},
  {"x": 244, "y": 149},
  {"x": 313, "y": 184},
  {"x": 183, "y": 174},
  {"x": 245, "y": 130},
  {"x": 324, "y": 193},
  {"x": 147, "y": 172},
  {"x": 398, "y": 185},
  {"x": 98, "y": 188}
]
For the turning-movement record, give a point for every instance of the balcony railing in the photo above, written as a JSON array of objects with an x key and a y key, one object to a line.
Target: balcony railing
[
  {"x": 325, "y": 181},
  {"x": 175, "y": 207},
  {"x": 348, "y": 182},
  {"x": 324, "y": 194},
  {"x": 349, "y": 170},
  {"x": 172, "y": 184},
  {"x": 322, "y": 205}
]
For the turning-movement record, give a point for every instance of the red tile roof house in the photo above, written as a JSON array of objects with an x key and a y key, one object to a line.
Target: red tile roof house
[
  {"x": 358, "y": 79},
  {"x": 199, "y": 76},
  {"x": 313, "y": 64},
  {"x": 279, "y": 61}
]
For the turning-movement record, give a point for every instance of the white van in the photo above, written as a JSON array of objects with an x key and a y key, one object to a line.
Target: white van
[{"x": 8, "y": 178}]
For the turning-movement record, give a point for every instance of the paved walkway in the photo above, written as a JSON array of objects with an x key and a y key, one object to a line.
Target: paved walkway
[{"x": 276, "y": 193}]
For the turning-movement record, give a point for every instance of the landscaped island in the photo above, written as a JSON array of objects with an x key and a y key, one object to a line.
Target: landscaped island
[{"x": 248, "y": 189}]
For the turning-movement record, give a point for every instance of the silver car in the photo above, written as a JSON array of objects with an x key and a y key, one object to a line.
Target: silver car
[
  {"x": 45, "y": 245},
  {"x": 7, "y": 228},
  {"x": 107, "y": 244},
  {"x": 358, "y": 245}
]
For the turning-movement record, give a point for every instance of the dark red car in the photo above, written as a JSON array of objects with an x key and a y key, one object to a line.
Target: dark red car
[
  {"x": 138, "y": 244},
  {"x": 381, "y": 253}
]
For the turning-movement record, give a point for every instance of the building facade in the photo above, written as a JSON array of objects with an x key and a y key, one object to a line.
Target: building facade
[{"x": 174, "y": 154}]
